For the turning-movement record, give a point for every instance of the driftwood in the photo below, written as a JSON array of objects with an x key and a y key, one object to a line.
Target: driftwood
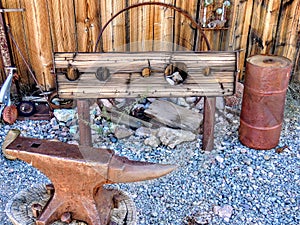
[{"x": 174, "y": 116}]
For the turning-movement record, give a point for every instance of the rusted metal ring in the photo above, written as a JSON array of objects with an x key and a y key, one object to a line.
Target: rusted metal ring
[
  {"x": 177, "y": 9},
  {"x": 67, "y": 104}
]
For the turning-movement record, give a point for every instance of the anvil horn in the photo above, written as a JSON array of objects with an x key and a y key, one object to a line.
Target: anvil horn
[
  {"x": 123, "y": 170},
  {"x": 78, "y": 174}
]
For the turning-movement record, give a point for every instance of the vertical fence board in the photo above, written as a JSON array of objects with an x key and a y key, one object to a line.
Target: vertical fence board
[
  {"x": 157, "y": 28},
  {"x": 263, "y": 26},
  {"x": 93, "y": 14},
  {"x": 149, "y": 15},
  {"x": 39, "y": 41},
  {"x": 62, "y": 24},
  {"x": 244, "y": 13},
  {"x": 288, "y": 35},
  {"x": 14, "y": 20},
  {"x": 167, "y": 22},
  {"x": 134, "y": 26},
  {"x": 119, "y": 42},
  {"x": 106, "y": 14}
]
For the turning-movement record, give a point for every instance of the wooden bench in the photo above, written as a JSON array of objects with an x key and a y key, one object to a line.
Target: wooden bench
[{"x": 83, "y": 76}]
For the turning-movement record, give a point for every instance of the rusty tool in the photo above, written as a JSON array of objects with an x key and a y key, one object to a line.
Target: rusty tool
[{"x": 78, "y": 174}]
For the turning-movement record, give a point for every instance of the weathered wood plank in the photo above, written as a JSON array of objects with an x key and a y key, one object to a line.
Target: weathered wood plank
[
  {"x": 126, "y": 80},
  {"x": 208, "y": 123},
  {"x": 122, "y": 118},
  {"x": 39, "y": 40},
  {"x": 175, "y": 116},
  {"x": 16, "y": 28}
]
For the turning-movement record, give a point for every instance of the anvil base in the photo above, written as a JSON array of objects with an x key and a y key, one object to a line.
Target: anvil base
[{"x": 18, "y": 208}]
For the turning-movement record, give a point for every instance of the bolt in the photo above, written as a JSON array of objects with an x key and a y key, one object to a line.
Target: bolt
[
  {"x": 206, "y": 71},
  {"x": 36, "y": 210},
  {"x": 66, "y": 217},
  {"x": 50, "y": 189},
  {"x": 146, "y": 72}
]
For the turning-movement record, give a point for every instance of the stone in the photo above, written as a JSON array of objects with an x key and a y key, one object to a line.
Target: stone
[
  {"x": 220, "y": 103},
  {"x": 73, "y": 129},
  {"x": 106, "y": 103},
  {"x": 236, "y": 99},
  {"x": 190, "y": 100},
  {"x": 224, "y": 212},
  {"x": 145, "y": 132},
  {"x": 200, "y": 104},
  {"x": 64, "y": 115},
  {"x": 172, "y": 137},
  {"x": 152, "y": 141},
  {"x": 219, "y": 159},
  {"x": 122, "y": 132},
  {"x": 182, "y": 102}
]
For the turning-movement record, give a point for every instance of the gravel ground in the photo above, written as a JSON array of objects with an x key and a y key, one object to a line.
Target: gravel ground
[{"x": 230, "y": 185}]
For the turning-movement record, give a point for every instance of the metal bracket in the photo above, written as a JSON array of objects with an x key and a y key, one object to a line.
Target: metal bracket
[{"x": 5, "y": 90}]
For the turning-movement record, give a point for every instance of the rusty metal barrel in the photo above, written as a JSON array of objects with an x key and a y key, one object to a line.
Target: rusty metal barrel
[{"x": 266, "y": 82}]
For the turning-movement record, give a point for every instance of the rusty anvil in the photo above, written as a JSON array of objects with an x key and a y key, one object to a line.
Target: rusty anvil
[{"x": 78, "y": 174}]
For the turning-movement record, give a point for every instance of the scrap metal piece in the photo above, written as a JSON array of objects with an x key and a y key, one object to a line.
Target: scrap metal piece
[
  {"x": 5, "y": 91},
  {"x": 78, "y": 174},
  {"x": 10, "y": 137},
  {"x": 10, "y": 114}
]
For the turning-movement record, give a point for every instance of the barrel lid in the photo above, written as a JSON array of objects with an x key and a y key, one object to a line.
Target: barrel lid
[{"x": 269, "y": 61}]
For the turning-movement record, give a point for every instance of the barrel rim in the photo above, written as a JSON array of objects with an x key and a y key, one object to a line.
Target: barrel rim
[{"x": 289, "y": 62}]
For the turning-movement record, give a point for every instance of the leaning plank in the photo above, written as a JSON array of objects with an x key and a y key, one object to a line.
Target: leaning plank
[
  {"x": 174, "y": 116},
  {"x": 123, "y": 118}
]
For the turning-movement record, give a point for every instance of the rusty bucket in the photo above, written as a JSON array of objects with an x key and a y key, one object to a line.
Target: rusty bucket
[{"x": 266, "y": 82}]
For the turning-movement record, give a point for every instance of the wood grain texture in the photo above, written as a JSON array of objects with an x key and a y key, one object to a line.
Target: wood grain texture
[
  {"x": 126, "y": 79},
  {"x": 15, "y": 21},
  {"x": 288, "y": 34},
  {"x": 40, "y": 50},
  {"x": 174, "y": 116}
]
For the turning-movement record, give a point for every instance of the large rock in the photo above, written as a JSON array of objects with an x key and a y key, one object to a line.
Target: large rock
[
  {"x": 64, "y": 115},
  {"x": 152, "y": 141},
  {"x": 122, "y": 132},
  {"x": 172, "y": 137}
]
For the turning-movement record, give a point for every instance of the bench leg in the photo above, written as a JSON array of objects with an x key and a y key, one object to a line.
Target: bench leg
[
  {"x": 208, "y": 124},
  {"x": 83, "y": 107}
]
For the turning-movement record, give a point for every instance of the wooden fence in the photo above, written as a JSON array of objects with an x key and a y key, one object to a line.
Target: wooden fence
[{"x": 47, "y": 26}]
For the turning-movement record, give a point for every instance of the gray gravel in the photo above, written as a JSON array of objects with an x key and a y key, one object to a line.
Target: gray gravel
[{"x": 230, "y": 185}]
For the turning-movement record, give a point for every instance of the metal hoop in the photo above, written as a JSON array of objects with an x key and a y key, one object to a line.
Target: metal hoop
[{"x": 177, "y": 9}]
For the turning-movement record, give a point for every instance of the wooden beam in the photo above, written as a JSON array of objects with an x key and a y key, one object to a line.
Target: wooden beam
[
  {"x": 208, "y": 123},
  {"x": 83, "y": 109}
]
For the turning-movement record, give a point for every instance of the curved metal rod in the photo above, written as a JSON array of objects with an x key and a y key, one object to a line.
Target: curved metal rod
[{"x": 179, "y": 10}]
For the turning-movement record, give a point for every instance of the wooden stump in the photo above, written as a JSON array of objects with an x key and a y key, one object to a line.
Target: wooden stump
[{"x": 19, "y": 209}]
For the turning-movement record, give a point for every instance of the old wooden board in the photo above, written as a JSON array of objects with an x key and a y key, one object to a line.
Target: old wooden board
[
  {"x": 175, "y": 116},
  {"x": 209, "y": 74}
]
